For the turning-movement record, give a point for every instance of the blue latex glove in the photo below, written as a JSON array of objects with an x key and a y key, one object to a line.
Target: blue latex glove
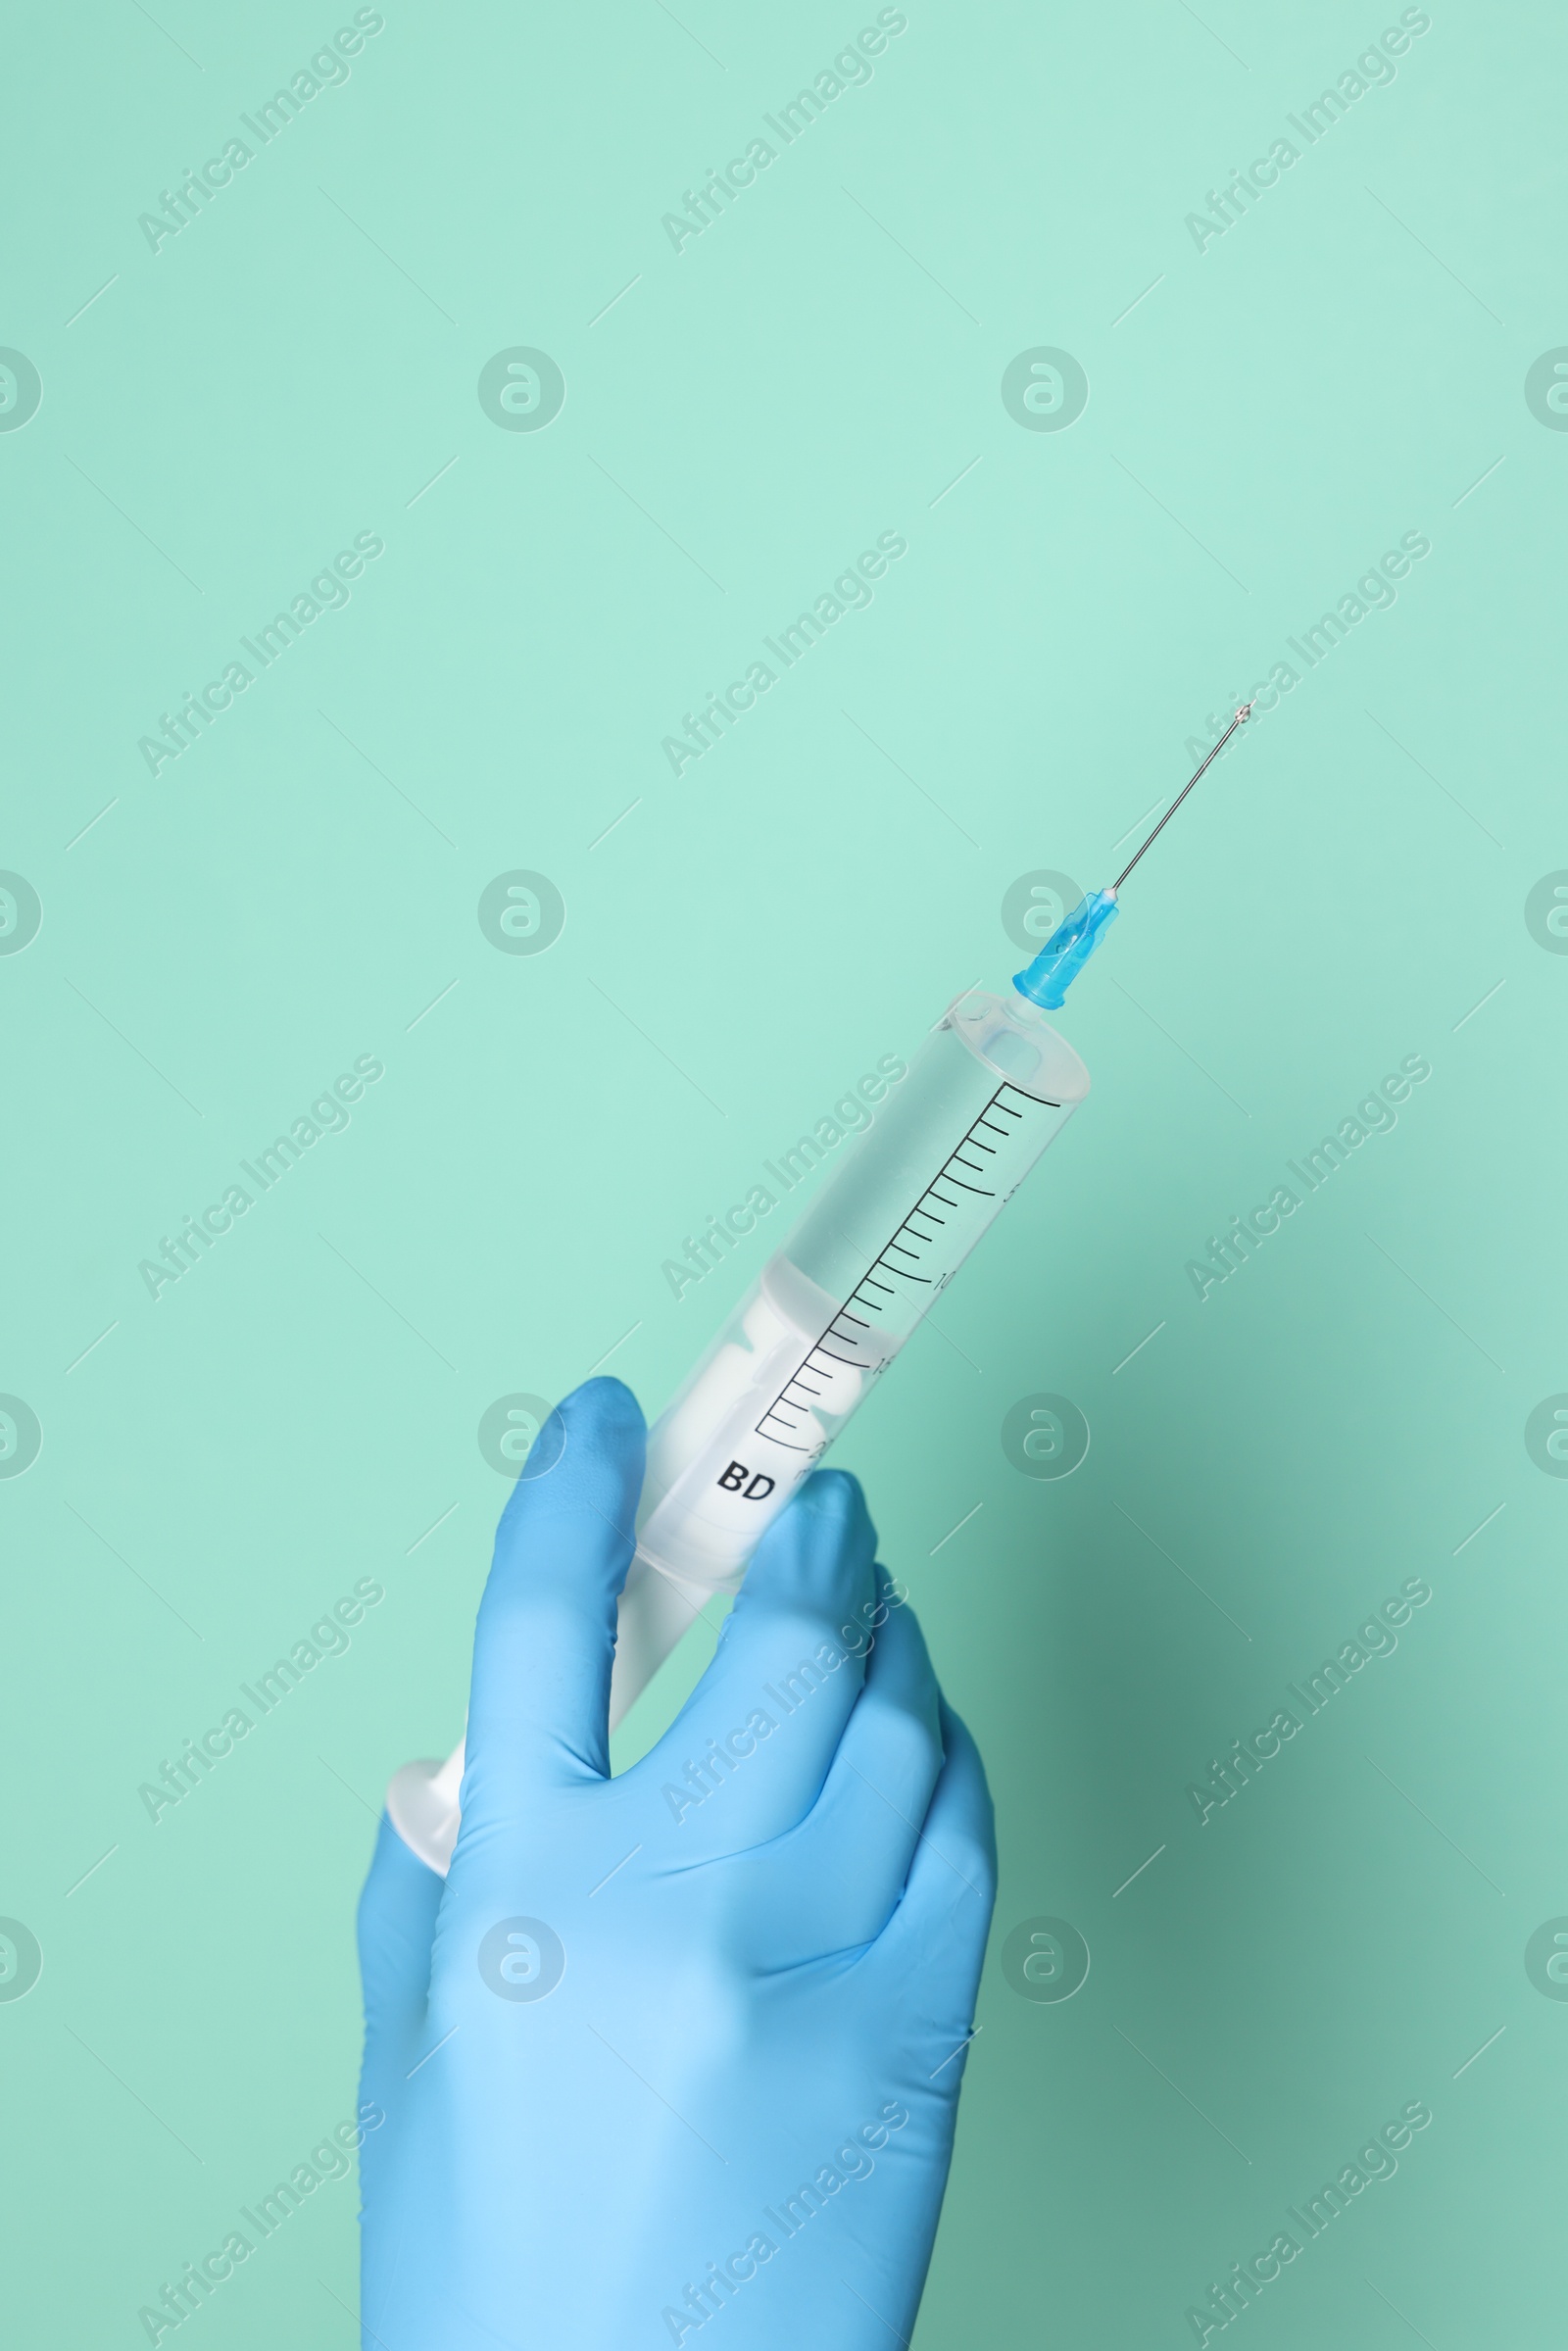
[{"x": 679, "y": 2049}]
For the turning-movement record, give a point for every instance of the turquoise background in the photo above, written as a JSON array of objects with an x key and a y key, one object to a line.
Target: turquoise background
[{"x": 1344, "y": 364}]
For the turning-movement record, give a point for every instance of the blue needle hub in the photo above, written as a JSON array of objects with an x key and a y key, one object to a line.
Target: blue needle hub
[{"x": 1049, "y": 977}]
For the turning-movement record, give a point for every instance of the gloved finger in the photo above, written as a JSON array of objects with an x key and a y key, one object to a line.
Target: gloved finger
[
  {"x": 396, "y": 1926},
  {"x": 863, "y": 1833},
  {"x": 546, "y": 1636},
  {"x": 936, "y": 1935},
  {"x": 746, "y": 1758}
]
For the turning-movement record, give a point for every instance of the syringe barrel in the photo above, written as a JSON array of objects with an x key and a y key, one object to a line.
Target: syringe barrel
[{"x": 992, "y": 1086}]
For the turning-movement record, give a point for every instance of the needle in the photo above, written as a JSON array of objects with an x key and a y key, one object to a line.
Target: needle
[{"x": 1244, "y": 712}]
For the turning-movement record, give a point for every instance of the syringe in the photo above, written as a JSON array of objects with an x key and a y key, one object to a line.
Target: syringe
[{"x": 991, "y": 1087}]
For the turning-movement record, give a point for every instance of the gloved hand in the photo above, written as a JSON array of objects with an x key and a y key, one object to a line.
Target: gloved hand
[{"x": 682, "y": 2046}]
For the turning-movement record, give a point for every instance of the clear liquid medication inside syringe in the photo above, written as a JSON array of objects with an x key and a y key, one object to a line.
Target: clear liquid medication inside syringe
[{"x": 992, "y": 1086}]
